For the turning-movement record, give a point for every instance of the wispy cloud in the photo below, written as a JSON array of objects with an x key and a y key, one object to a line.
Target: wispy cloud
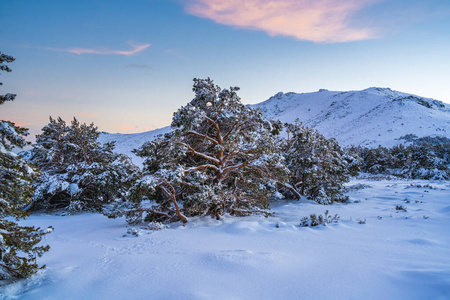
[
  {"x": 175, "y": 53},
  {"x": 139, "y": 66},
  {"x": 317, "y": 21},
  {"x": 103, "y": 51}
]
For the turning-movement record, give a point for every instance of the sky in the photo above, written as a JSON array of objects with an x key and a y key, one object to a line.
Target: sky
[{"x": 128, "y": 65}]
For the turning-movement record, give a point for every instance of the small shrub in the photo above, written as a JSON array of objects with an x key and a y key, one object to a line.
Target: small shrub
[
  {"x": 400, "y": 207},
  {"x": 156, "y": 226},
  {"x": 133, "y": 232},
  {"x": 314, "y": 220},
  {"x": 358, "y": 187}
]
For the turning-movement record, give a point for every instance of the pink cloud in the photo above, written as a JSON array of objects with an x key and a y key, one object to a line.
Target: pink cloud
[
  {"x": 80, "y": 51},
  {"x": 23, "y": 124},
  {"x": 317, "y": 20}
]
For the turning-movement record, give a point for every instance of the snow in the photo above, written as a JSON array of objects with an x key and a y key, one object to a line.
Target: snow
[
  {"x": 394, "y": 255},
  {"x": 125, "y": 143}
]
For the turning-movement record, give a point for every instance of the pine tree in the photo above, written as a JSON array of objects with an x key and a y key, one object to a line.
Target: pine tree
[
  {"x": 18, "y": 244},
  {"x": 78, "y": 172},
  {"x": 220, "y": 158},
  {"x": 319, "y": 167}
]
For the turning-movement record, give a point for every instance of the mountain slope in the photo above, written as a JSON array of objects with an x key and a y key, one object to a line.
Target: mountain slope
[
  {"x": 125, "y": 143},
  {"x": 371, "y": 117}
]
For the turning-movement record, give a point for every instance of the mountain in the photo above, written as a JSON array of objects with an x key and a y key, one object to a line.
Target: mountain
[
  {"x": 125, "y": 143},
  {"x": 371, "y": 117}
]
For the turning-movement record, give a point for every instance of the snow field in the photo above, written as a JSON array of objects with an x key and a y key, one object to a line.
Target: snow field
[{"x": 394, "y": 255}]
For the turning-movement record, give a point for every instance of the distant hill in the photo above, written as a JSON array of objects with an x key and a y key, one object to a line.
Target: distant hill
[
  {"x": 371, "y": 117},
  {"x": 125, "y": 143}
]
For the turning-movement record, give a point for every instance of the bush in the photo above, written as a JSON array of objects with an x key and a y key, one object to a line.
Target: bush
[
  {"x": 314, "y": 220},
  {"x": 78, "y": 173}
]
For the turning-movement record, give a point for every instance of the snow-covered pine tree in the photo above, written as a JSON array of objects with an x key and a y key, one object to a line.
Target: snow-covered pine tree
[
  {"x": 318, "y": 166},
  {"x": 78, "y": 172},
  {"x": 18, "y": 244},
  {"x": 220, "y": 158},
  {"x": 425, "y": 158}
]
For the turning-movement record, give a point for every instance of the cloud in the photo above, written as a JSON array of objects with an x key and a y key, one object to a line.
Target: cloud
[
  {"x": 310, "y": 20},
  {"x": 23, "y": 124},
  {"x": 175, "y": 53},
  {"x": 80, "y": 51},
  {"x": 139, "y": 66}
]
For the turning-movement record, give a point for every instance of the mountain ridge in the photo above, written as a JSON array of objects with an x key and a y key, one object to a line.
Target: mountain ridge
[{"x": 370, "y": 117}]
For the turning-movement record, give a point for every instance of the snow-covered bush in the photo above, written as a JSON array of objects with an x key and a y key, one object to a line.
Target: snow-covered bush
[
  {"x": 78, "y": 172},
  {"x": 425, "y": 158},
  {"x": 314, "y": 220},
  {"x": 318, "y": 166},
  {"x": 18, "y": 244}
]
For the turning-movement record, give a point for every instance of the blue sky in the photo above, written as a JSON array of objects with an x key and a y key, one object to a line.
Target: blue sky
[{"x": 128, "y": 65}]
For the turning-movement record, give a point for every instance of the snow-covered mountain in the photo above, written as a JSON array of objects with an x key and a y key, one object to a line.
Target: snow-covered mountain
[
  {"x": 125, "y": 143},
  {"x": 371, "y": 117}
]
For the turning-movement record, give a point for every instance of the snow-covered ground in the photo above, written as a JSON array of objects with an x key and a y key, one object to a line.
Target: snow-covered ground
[{"x": 394, "y": 255}]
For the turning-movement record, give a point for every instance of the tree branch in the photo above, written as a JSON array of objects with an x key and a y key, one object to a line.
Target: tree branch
[
  {"x": 231, "y": 130},
  {"x": 203, "y": 136},
  {"x": 172, "y": 197},
  {"x": 192, "y": 150},
  {"x": 193, "y": 169},
  {"x": 219, "y": 136},
  {"x": 290, "y": 188}
]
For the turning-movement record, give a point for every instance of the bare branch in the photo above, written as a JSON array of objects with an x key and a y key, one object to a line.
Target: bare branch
[
  {"x": 193, "y": 169},
  {"x": 231, "y": 130},
  {"x": 203, "y": 136},
  {"x": 219, "y": 135},
  {"x": 290, "y": 188},
  {"x": 174, "y": 200},
  {"x": 229, "y": 170},
  {"x": 193, "y": 151}
]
